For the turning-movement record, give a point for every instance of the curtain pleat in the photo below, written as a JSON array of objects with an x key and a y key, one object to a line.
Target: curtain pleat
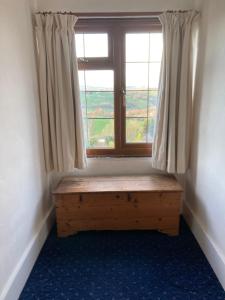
[
  {"x": 61, "y": 115},
  {"x": 171, "y": 145}
]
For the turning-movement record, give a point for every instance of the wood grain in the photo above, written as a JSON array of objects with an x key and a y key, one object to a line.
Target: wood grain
[
  {"x": 71, "y": 185},
  {"x": 78, "y": 208},
  {"x": 169, "y": 225}
]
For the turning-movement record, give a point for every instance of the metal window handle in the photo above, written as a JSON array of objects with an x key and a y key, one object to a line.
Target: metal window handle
[{"x": 123, "y": 92}]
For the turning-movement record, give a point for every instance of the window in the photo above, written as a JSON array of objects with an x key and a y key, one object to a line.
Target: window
[{"x": 119, "y": 66}]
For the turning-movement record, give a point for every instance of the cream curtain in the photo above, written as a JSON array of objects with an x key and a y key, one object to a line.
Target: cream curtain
[
  {"x": 172, "y": 133},
  {"x": 61, "y": 114}
]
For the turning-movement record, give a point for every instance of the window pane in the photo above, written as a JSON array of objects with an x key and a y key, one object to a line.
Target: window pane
[
  {"x": 96, "y": 45},
  {"x": 100, "y": 104},
  {"x": 83, "y": 103},
  {"x": 81, "y": 80},
  {"x": 136, "y": 130},
  {"x": 100, "y": 133},
  {"x": 156, "y": 45},
  {"x": 99, "y": 80},
  {"x": 137, "y": 47},
  {"x": 136, "y": 76},
  {"x": 91, "y": 44},
  {"x": 153, "y": 98},
  {"x": 79, "y": 42},
  {"x": 154, "y": 72},
  {"x": 152, "y": 110},
  {"x": 136, "y": 104},
  {"x": 98, "y": 107},
  {"x": 151, "y": 128}
]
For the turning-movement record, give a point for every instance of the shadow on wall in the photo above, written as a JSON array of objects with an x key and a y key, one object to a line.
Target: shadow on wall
[
  {"x": 112, "y": 167},
  {"x": 45, "y": 202},
  {"x": 191, "y": 197}
]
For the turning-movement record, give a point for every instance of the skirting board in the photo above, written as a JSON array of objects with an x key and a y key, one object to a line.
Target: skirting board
[
  {"x": 215, "y": 258},
  {"x": 20, "y": 274}
]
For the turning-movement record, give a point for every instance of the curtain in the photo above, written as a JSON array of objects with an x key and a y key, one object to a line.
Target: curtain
[
  {"x": 171, "y": 143},
  {"x": 61, "y": 115}
]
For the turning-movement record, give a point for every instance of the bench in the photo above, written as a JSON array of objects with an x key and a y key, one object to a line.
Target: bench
[{"x": 118, "y": 203}]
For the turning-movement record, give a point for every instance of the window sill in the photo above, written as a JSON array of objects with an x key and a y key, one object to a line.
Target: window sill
[
  {"x": 118, "y": 156},
  {"x": 125, "y": 152}
]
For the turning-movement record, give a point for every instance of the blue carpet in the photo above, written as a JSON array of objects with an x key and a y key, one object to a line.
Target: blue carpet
[{"x": 135, "y": 265}]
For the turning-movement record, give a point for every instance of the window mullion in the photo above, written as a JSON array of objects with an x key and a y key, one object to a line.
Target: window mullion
[{"x": 117, "y": 86}]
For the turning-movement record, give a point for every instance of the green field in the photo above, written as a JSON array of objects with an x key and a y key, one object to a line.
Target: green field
[{"x": 98, "y": 110}]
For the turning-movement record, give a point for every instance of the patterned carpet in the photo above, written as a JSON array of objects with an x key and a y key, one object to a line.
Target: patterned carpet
[{"x": 135, "y": 265}]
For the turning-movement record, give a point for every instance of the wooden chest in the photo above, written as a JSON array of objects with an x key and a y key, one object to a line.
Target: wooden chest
[{"x": 118, "y": 203}]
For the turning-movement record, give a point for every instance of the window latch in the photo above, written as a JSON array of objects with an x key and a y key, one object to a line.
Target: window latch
[
  {"x": 83, "y": 59},
  {"x": 123, "y": 92}
]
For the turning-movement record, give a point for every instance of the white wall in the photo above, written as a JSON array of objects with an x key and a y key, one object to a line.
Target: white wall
[
  {"x": 113, "y": 5},
  {"x": 24, "y": 200},
  {"x": 205, "y": 183},
  {"x": 106, "y": 166}
]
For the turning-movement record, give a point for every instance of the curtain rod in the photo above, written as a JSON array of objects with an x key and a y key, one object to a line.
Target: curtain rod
[{"x": 109, "y": 14}]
